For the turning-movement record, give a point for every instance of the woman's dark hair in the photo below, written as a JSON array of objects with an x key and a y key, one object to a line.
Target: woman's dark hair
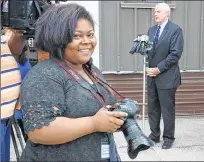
[
  {"x": 56, "y": 27},
  {"x": 22, "y": 57}
]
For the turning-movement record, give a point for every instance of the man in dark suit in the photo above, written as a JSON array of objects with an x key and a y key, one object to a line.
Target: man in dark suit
[{"x": 163, "y": 74}]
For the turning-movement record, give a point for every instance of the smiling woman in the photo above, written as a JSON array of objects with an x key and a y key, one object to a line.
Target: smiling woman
[
  {"x": 79, "y": 51},
  {"x": 63, "y": 97}
]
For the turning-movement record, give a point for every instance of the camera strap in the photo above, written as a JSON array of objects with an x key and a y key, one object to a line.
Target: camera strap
[
  {"x": 79, "y": 79},
  {"x": 81, "y": 82}
]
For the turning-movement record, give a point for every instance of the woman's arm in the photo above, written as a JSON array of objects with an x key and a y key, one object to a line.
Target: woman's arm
[{"x": 63, "y": 129}]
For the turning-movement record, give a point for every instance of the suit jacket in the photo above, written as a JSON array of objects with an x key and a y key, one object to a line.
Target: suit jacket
[{"x": 165, "y": 55}]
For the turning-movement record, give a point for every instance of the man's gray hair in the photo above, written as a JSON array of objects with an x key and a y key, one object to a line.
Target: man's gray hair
[{"x": 165, "y": 7}]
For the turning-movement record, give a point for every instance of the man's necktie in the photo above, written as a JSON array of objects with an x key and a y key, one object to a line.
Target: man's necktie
[{"x": 156, "y": 38}]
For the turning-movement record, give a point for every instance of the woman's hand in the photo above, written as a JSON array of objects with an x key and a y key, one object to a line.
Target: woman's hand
[{"x": 108, "y": 121}]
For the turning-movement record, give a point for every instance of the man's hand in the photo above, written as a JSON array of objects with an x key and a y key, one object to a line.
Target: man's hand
[
  {"x": 152, "y": 72},
  {"x": 7, "y": 35},
  {"x": 15, "y": 41}
]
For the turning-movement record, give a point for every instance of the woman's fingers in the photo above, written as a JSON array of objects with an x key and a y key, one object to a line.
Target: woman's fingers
[
  {"x": 114, "y": 128},
  {"x": 108, "y": 121},
  {"x": 118, "y": 122},
  {"x": 118, "y": 114},
  {"x": 115, "y": 117},
  {"x": 115, "y": 123}
]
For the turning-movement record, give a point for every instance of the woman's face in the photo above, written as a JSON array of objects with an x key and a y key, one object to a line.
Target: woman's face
[{"x": 79, "y": 51}]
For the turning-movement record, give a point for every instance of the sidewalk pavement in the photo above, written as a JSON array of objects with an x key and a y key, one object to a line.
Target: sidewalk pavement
[{"x": 188, "y": 145}]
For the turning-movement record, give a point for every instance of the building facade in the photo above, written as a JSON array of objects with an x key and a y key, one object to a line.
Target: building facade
[{"x": 121, "y": 21}]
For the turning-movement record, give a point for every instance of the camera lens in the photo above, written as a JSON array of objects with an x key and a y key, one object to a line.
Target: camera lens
[{"x": 135, "y": 138}]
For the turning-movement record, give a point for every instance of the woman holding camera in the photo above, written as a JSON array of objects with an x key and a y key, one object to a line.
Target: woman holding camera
[{"x": 63, "y": 97}]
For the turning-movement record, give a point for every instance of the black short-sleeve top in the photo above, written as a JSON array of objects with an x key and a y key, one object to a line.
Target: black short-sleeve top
[{"x": 48, "y": 92}]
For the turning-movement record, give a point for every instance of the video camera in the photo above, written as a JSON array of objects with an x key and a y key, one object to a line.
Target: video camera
[
  {"x": 134, "y": 136},
  {"x": 22, "y": 14}
]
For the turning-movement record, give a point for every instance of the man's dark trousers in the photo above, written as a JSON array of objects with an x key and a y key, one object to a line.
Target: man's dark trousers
[{"x": 161, "y": 101}]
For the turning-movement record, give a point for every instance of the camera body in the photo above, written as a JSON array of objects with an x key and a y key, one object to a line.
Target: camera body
[{"x": 134, "y": 136}]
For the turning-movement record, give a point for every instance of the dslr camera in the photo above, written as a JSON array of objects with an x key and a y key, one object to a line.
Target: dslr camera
[{"x": 134, "y": 136}]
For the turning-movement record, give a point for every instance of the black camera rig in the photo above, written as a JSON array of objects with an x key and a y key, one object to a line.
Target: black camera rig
[{"x": 22, "y": 14}]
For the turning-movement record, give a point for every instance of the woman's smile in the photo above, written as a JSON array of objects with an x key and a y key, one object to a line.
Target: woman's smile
[{"x": 84, "y": 51}]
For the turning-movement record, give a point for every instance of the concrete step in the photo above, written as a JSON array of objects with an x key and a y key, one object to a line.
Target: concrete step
[
  {"x": 184, "y": 75},
  {"x": 129, "y": 87},
  {"x": 179, "y": 91}
]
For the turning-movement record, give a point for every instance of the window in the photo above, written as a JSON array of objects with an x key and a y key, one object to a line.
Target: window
[{"x": 145, "y": 3}]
